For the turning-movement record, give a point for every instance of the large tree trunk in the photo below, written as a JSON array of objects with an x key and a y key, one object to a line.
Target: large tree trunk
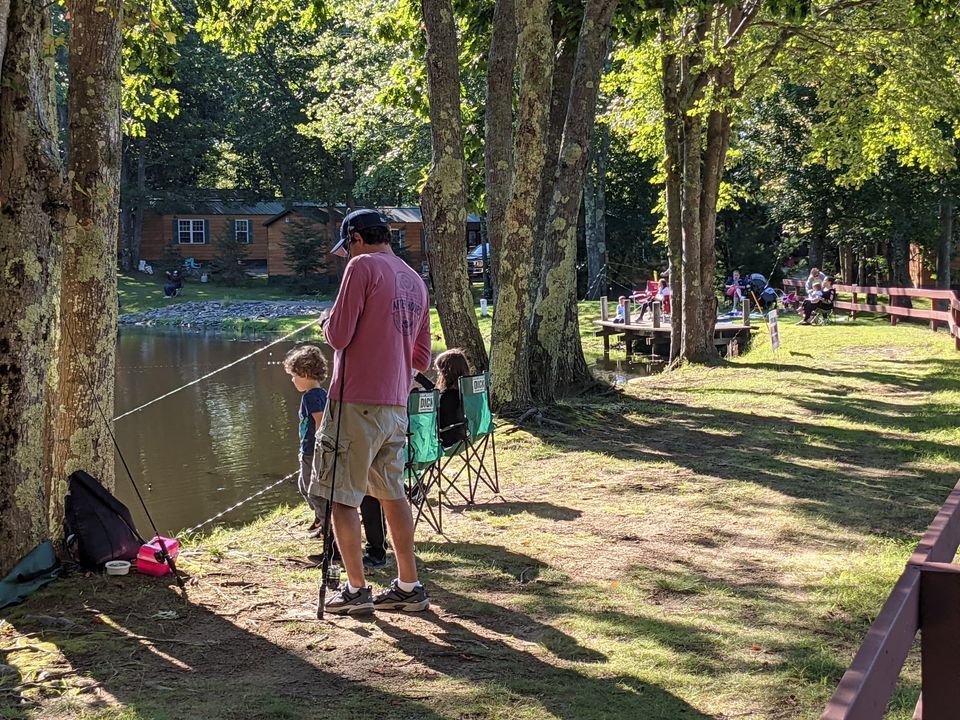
[
  {"x": 498, "y": 145},
  {"x": 88, "y": 307},
  {"x": 945, "y": 248},
  {"x": 444, "y": 199},
  {"x": 557, "y": 357},
  {"x": 672, "y": 159},
  {"x": 595, "y": 215},
  {"x": 559, "y": 97},
  {"x": 511, "y": 321},
  {"x": 32, "y": 209}
]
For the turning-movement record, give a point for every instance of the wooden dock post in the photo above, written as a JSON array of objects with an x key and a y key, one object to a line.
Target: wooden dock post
[
  {"x": 626, "y": 313},
  {"x": 746, "y": 312},
  {"x": 656, "y": 315},
  {"x": 604, "y": 311}
]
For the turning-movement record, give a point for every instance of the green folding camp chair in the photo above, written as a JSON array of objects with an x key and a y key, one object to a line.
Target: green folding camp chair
[
  {"x": 423, "y": 455},
  {"x": 472, "y": 452}
]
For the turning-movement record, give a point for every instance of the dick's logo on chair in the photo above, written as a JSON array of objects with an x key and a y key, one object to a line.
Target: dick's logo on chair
[
  {"x": 479, "y": 384},
  {"x": 426, "y": 403}
]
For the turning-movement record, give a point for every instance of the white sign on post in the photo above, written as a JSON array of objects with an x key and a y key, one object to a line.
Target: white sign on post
[{"x": 774, "y": 330}]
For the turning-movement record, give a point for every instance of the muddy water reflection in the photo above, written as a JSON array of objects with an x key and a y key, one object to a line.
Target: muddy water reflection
[
  {"x": 213, "y": 444},
  {"x": 619, "y": 372}
]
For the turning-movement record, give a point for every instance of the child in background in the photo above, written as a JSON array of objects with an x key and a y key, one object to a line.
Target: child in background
[
  {"x": 450, "y": 366},
  {"x": 307, "y": 369},
  {"x": 621, "y": 309}
]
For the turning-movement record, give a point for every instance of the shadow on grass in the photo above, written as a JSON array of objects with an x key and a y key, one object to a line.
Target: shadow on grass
[
  {"x": 569, "y": 689},
  {"x": 198, "y": 665}
]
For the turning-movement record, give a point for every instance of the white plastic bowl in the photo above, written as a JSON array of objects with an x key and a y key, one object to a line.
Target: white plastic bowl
[{"x": 117, "y": 567}]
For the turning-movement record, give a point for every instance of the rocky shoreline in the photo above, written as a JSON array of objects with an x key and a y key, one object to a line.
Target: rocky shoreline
[{"x": 215, "y": 313}]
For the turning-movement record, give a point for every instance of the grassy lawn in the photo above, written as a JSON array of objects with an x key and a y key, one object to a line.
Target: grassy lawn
[
  {"x": 711, "y": 543},
  {"x": 140, "y": 292}
]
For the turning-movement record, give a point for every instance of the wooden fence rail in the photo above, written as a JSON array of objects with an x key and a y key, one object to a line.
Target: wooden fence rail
[
  {"x": 950, "y": 316},
  {"x": 925, "y": 598}
]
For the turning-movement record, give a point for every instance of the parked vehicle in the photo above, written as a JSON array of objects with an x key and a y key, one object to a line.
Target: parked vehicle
[{"x": 475, "y": 261}]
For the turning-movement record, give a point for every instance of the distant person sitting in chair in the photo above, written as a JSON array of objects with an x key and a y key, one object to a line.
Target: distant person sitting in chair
[
  {"x": 663, "y": 292},
  {"x": 733, "y": 288},
  {"x": 175, "y": 284},
  {"x": 450, "y": 365},
  {"x": 821, "y": 298}
]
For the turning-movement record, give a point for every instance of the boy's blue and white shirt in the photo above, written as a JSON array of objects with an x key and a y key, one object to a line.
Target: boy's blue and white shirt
[{"x": 312, "y": 401}]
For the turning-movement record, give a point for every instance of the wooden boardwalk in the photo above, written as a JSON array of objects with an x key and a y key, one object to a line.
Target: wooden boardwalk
[{"x": 652, "y": 338}]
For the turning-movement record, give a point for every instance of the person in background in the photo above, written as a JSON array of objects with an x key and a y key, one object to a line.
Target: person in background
[
  {"x": 174, "y": 284},
  {"x": 820, "y": 299},
  {"x": 450, "y": 366},
  {"x": 621, "y": 309},
  {"x": 733, "y": 288},
  {"x": 815, "y": 277},
  {"x": 662, "y": 293}
]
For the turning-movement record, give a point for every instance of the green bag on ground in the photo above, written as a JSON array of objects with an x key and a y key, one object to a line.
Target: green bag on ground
[{"x": 39, "y": 567}]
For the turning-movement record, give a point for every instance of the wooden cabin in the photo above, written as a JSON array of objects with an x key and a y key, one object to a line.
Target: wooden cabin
[
  {"x": 265, "y": 226},
  {"x": 923, "y": 265},
  {"x": 194, "y": 231}
]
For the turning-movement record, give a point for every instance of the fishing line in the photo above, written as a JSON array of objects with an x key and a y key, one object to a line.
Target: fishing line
[
  {"x": 165, "y": 555},
  {"x": 220, "y": 514},
  {"x": 221, "y": 369}
]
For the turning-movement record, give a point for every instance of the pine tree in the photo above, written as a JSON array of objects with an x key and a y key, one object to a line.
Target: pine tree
[
  {"x": 304, "y": 250},
  {"x": 230, "y": 255}
]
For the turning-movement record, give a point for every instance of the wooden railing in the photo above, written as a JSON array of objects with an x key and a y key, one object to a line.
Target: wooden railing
[
  {"x": 950, "y": 317},
  {"x": 926, "y": 597}
]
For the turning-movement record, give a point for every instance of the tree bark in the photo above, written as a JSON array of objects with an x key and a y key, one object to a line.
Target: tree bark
[
  {"x": 32, "y": 209},
  {"x": 498, "y": 146},
  {"x": 672, "y": 158},
  {"x": 88, "y": 307},
  {"x": 510, "y": 368},
  {"x": 444, "y": 199},
  {"x": 557, "y": 353},
  {"x": 945, "y": 246},
  {"x": 559, "y": 97},
  {"x": 595, "y": 205}
]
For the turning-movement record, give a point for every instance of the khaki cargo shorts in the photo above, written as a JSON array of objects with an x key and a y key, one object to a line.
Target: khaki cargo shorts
[{"x": 371, "y": 456}]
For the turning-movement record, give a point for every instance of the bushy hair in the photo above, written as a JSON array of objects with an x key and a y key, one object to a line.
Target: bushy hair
[
  {"x": 376, "y": 235},
  {"x": 306, "y": 361},
  {"x": 451, "y": 366}
]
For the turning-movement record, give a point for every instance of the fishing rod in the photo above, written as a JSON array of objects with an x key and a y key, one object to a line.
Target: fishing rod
[
  {"x": 163, "y": 555},
  {"x": 328, "y": 579}
]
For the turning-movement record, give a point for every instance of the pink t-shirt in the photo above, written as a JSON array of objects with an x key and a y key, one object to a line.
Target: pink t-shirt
[{"x": 382, "y": 315}]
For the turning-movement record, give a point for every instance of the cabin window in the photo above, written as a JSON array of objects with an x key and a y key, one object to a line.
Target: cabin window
[
  {"x": 191, "y": 232},
  {"x": 399, "y": 237},
  {"x": 241, "y": 230}
]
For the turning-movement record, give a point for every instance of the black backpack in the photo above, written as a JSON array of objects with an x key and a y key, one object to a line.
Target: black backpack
[{"x": 98, "y": 523}]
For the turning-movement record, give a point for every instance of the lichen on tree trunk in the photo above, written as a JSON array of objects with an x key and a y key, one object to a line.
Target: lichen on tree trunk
[
  {"x": 443, "y": 199},
  {"x": 511, "y": 321},
  {"x": 88, "y": 308},
  {"x": 498, "y": 118},
  {"x": 32, "y": 206},
  {"x": 556, "y": 350}
]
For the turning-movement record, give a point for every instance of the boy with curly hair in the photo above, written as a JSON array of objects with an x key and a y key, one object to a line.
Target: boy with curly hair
[{"x": 307, "y": 369}]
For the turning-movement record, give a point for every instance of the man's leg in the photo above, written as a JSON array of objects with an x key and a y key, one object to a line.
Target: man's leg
[
  {"x": 346, "y": 529},
  {"x": 400, "y": 522},
  {"x": 371, "y": 514}
]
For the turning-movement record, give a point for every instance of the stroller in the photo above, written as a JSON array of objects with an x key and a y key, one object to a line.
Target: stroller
[
  {"x": 765, "y": 295},
  {"x": 789, "y": 301}
]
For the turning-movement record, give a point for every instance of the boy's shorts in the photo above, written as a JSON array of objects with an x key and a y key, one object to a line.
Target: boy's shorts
[
  {"x": 371, "y": 457},
  {"x": 316, "y": 503}
]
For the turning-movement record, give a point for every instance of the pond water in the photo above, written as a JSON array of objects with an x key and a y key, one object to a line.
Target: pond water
[{"x": 213, "y": 444}]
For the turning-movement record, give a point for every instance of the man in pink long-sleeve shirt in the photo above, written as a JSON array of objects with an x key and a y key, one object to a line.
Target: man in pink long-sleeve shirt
[{"x": 379, "y": 328}]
